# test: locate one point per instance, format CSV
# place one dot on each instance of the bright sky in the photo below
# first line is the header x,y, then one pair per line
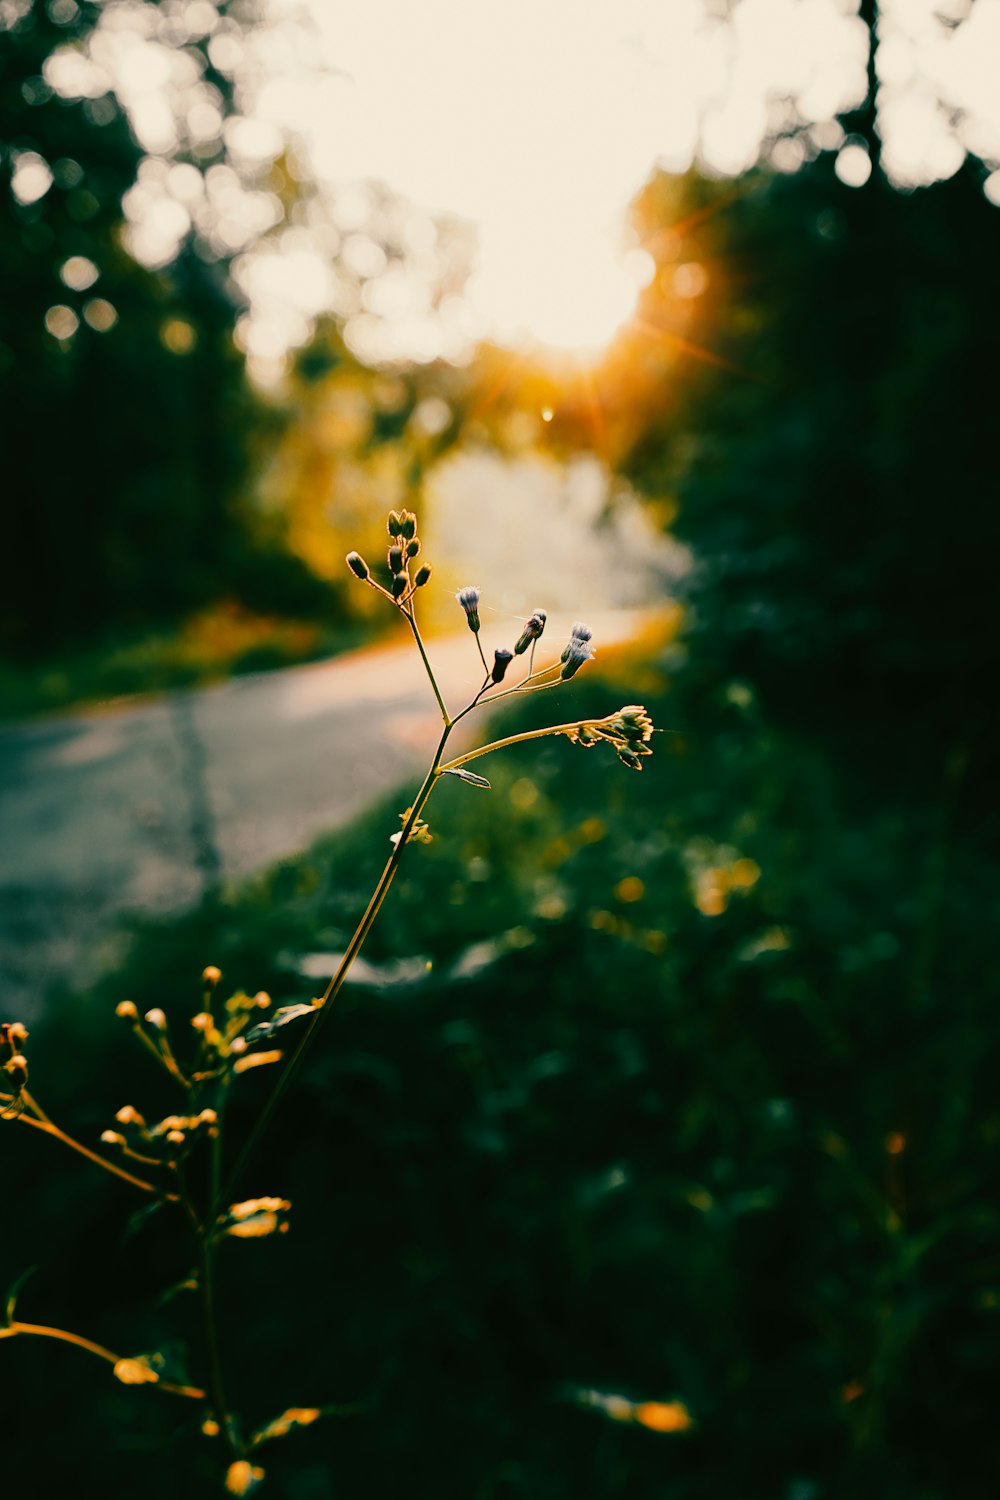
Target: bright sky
x,y
534,121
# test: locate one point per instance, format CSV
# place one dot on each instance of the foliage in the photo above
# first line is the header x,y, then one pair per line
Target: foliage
x,y
130,407
179,1160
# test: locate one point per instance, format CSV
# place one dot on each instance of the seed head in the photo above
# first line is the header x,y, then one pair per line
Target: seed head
x,y
155,1017
407,525
394,523
577,651
413,547
395,560
468,598
399,585
501,661
531,632
211,975
357,565
127,1011
422,576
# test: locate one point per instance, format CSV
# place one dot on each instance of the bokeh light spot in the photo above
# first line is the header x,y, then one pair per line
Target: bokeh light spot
x,y
61,321
78,273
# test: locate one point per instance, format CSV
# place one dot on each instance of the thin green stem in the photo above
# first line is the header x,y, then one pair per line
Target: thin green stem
x,y
39,1330
353,949
517,739
410,616
206,1286
100,1161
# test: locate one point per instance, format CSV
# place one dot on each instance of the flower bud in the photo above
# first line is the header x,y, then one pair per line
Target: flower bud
x,y
422,576
468,598
17,1070
155,1017
112,1138
399,585
129,1115
127,1010
357,565
501,661
531,632
413,547
394,523
407,524
15,1034
211,975
395,559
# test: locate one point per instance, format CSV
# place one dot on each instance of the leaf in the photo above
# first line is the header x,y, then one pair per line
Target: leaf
x,y
280,1018
138,1219
15,1291
470,777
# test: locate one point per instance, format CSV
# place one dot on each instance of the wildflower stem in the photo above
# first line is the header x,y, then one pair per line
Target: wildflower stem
x,y
40,1330
517,739
482,654
35,1107
410,615
353,949
202,1231
100,1161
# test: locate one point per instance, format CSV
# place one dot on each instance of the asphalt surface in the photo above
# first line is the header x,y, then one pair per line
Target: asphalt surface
x,y
141,808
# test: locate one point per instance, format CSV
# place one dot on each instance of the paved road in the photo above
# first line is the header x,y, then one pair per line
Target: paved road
x,y
141,808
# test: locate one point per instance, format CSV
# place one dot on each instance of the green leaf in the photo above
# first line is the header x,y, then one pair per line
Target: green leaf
x,y
10,1302
469,776
280,1018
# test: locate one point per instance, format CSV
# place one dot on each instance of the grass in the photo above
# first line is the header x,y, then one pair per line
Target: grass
x,y
221,641
677,1087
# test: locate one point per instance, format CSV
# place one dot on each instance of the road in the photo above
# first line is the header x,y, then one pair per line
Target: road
x,y
140,808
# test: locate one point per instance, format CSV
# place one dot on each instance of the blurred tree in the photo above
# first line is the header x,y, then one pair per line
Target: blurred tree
x,y
123,393
805,393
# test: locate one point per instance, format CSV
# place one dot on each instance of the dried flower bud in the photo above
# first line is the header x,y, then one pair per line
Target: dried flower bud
x,y
202,1021
176,1137
129,1115
399,585
468,598
578,651
501,661
211,975
422,576
395,560
243,1477
15,1034
407,524
413,547
357,565
531,632
112,1138
127,1011
394,523
155,1017
208,1117
262,1000
17,1070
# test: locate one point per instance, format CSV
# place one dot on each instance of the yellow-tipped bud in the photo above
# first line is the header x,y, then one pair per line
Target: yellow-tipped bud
x,y
176,1137
208,1117
155,1017
210,1427
211,975
243,1477
238,1045
262,999
112,1138
202,1021
129,1115
127,1011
